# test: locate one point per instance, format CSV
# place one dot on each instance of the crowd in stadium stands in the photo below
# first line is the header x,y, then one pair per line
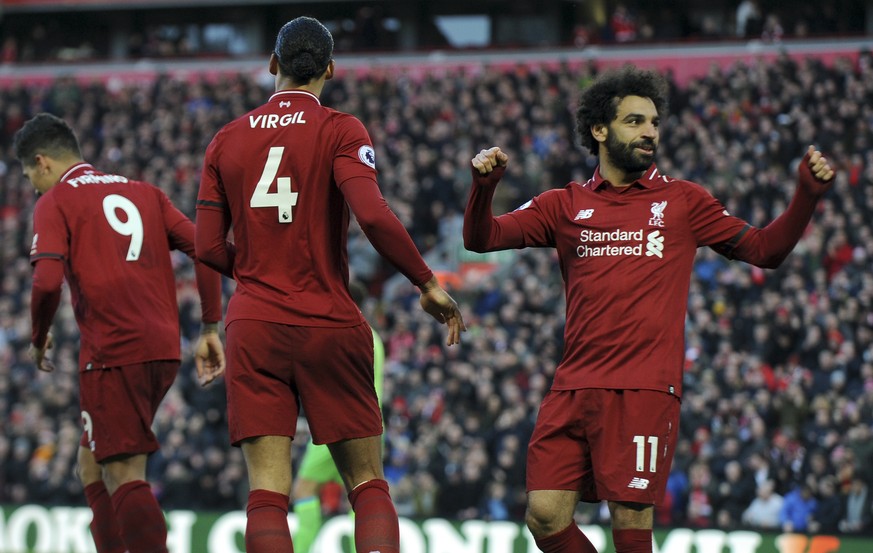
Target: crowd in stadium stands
x,y
776,417
369,28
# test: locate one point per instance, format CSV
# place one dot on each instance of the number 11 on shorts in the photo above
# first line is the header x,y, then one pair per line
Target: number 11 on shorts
x,y
640,441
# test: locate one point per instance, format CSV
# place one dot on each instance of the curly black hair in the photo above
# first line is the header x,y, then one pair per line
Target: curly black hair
x,y
304,47
599,102
45,134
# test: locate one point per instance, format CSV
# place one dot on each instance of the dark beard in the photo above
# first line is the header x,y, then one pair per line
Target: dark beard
x,y
626,158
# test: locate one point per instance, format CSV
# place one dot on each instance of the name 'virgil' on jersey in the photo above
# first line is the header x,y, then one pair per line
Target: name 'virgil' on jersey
x,y
274,120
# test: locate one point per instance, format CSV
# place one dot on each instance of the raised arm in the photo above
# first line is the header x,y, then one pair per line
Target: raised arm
x,y
768,247
482,231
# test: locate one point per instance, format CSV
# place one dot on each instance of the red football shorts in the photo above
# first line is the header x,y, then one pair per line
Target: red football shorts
x,y
615,445
119,405
273,370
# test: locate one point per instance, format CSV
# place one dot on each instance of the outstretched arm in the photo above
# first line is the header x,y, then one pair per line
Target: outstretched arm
x,y
768,247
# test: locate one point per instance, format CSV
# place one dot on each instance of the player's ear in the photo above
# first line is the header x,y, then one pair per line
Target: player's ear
x,y
328,73
274,64
42,163
599,132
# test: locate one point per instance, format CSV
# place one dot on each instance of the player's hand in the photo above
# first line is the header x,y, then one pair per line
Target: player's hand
x,y
38,355
487,160
209,357
437,303
815,173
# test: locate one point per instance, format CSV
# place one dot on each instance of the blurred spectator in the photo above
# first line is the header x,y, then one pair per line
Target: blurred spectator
x,y
773,31
749,21
797,510
9,51
734,492
857,507
763,512
830,508
675,506
623,25
700,508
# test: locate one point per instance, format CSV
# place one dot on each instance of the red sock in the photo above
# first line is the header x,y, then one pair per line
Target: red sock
x,y
569,540
376,526
140,518
104,528
632,540
267,523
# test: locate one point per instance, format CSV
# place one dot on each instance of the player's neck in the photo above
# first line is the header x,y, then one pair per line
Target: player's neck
x,y
617,177
313,87
61,165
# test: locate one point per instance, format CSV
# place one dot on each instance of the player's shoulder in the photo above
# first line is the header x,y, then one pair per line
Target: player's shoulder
x,y
549,198
684,187
655,178
674,187
341,119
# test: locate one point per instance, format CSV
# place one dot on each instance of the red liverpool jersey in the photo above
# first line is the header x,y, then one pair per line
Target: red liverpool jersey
x,y
114,236
626,258
278,172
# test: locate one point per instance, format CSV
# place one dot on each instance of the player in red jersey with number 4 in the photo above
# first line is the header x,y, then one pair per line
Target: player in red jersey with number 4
x,y
285,176
626,241
112,238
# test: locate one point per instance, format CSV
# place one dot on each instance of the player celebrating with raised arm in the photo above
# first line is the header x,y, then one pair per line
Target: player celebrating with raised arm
x,y
112,238
626,241
285,176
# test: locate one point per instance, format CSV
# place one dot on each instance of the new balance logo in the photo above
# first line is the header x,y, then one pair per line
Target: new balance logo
x,y
584,214
638,484
655,244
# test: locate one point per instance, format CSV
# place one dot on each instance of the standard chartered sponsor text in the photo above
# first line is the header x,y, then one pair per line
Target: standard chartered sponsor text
x,y
597,243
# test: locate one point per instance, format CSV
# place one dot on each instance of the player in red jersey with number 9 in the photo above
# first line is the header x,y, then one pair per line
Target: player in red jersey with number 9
x,y
112,238
285,176
626,241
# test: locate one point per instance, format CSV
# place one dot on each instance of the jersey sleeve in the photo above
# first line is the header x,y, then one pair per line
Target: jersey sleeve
x,y
526,226
180,229
45,296
51,239
711,224
384,230
211,194
536,219
51,235
354,171
355,156
768,247
180,234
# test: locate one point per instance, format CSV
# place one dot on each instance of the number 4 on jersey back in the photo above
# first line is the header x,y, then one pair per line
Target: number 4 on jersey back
x,y
282,199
